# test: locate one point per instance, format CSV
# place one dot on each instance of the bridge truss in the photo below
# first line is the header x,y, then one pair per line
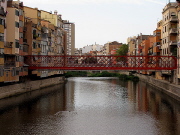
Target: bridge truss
x,y
86,62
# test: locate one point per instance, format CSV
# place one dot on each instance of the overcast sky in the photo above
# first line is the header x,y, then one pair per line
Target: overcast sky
x,y
102,21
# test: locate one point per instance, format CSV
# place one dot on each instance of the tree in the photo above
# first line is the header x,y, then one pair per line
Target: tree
x,y
122,51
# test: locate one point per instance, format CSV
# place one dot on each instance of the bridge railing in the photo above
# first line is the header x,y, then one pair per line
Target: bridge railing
x,y
86,62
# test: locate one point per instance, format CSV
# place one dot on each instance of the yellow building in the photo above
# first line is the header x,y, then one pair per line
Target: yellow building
x,y
169,35
3,8
131,43
11,47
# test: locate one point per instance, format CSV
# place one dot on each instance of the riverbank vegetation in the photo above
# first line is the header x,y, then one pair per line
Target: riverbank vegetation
x,y
76,74
123,77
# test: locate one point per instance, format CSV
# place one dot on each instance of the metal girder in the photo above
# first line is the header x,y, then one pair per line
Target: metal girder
x,y
86,62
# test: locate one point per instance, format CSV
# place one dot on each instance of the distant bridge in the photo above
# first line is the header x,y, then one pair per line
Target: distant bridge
x,y
86,62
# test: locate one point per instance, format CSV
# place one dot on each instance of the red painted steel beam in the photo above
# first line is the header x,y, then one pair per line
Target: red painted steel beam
x,y
84,62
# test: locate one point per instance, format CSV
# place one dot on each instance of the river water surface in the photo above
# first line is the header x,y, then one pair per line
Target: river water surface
x,y
91,106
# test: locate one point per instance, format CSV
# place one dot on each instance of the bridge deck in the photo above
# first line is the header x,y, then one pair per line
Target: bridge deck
x,y
69,62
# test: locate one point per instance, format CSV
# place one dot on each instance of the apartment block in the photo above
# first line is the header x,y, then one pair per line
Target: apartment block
x,y
156,48
138,41
3,12
12,47
169,36
57,21
111,46
169,29
69,27
178,44
131,42
29,31
93,47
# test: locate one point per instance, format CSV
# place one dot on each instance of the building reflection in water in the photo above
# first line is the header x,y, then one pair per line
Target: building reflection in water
x,y
58,106
150,100
30,108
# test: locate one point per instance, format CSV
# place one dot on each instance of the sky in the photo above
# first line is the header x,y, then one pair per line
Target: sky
x,y
102,21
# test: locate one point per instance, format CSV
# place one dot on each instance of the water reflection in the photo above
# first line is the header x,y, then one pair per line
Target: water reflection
x,y
91,106
164,109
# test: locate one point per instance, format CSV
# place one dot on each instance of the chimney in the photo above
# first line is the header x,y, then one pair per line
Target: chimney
x,y
55,12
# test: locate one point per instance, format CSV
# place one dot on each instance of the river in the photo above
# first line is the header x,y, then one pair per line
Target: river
x,y
91,106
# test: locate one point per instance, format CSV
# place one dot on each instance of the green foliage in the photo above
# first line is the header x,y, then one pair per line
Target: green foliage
x,y
75,74
122,51
104,74
128,77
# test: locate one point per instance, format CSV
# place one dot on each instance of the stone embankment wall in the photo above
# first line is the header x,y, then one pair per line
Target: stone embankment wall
x,y
164,86
15,89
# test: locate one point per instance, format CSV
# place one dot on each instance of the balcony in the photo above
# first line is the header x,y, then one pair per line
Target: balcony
x,y
25,29
173,31
34,25
44,30
157,44
173,19
2,13
160,47
8,44
173,43
9,64
25,41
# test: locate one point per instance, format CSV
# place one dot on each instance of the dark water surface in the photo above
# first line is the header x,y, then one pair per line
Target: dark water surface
x,y
91,106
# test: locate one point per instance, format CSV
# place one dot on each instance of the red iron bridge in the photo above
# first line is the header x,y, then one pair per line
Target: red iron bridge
x,y
110,62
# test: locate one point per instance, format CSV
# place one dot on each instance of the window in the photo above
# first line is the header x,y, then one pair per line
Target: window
x,y
17,43
17,24
13,72
20,24
21,47
17,58
1,52
39,35
20,35
1,72
20,12
34,45
39,14
21,58
2,37
2,21
173,14
165,29
16,12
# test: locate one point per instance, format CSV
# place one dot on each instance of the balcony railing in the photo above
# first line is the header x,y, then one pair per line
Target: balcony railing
x,y
2,12
173,31
173,19
157,44
8,44
173,43
34,25
160,47
9,64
